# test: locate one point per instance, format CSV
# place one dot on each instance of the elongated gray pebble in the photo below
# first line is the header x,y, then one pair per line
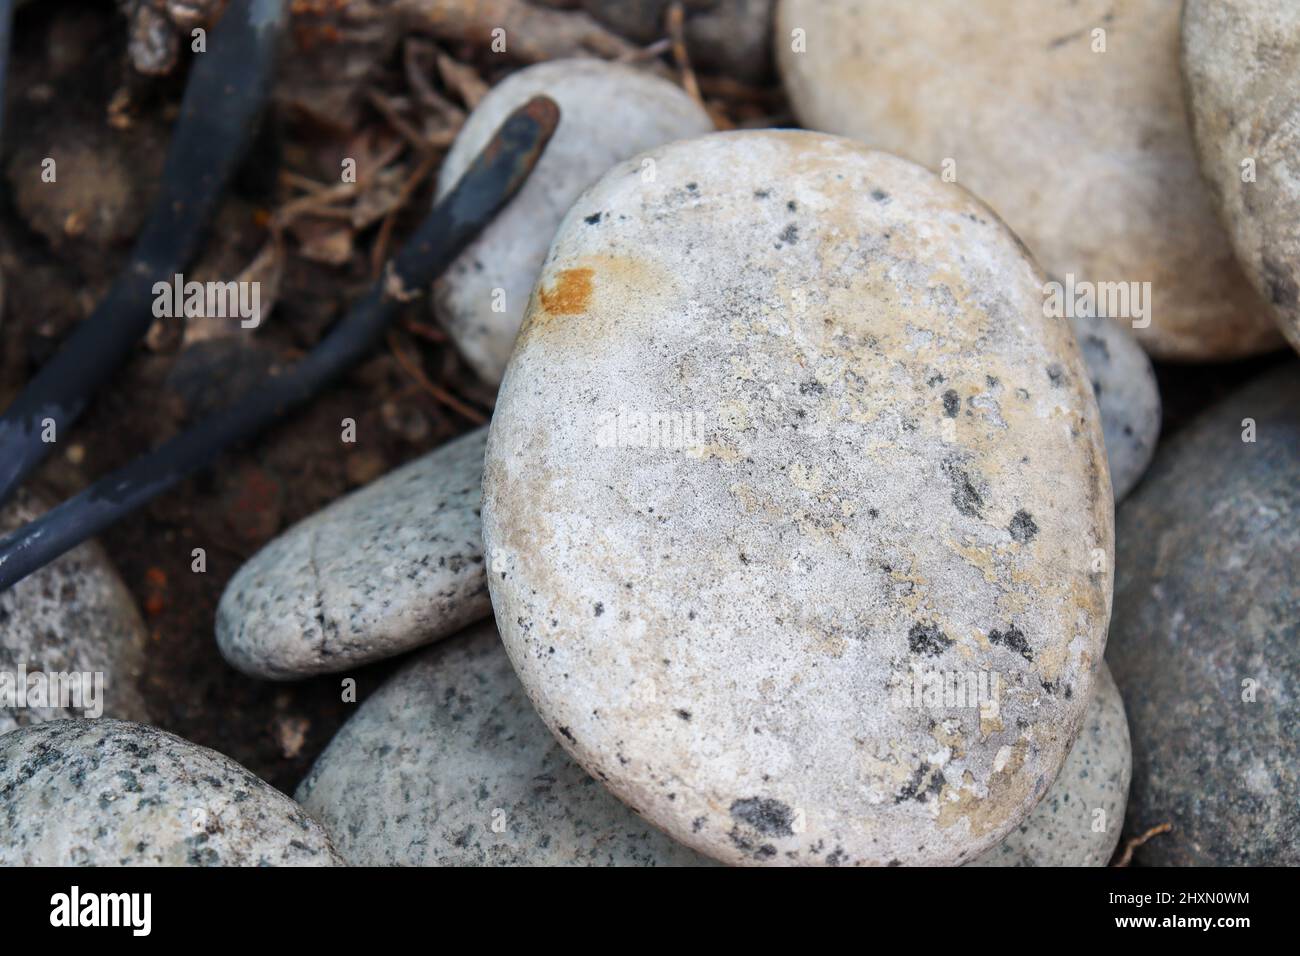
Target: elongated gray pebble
x,y
787,423
460,771
113,793
71,626
392,566
1125,387
608,112
1080,820
1241,59
1205,637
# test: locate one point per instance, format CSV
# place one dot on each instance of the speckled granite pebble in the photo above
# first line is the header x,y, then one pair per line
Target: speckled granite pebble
x,y
113,793
1242,63
392,566
1080,820
851,446
608,112
73,616
1207,616
1087,155
460,771
1125,386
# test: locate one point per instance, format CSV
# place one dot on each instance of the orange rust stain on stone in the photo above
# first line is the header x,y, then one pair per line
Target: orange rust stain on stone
x,y
571,293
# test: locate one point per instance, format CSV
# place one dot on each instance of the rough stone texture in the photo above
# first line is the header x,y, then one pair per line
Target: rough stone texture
x,y
608,113
449,746
113,793
730,36
1207,598
1125,387
895,461
1088,156
390,567
1095,777
1241,59
73,616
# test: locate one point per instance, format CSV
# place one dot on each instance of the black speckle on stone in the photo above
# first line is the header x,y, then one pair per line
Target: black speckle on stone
x,y
593,219
691,187
927,639
1056,375
789,236
1013,638
965,496
927,781
769,817
792,206
600,608
951,403
762,193
568,735
1022,526
879,195
683,713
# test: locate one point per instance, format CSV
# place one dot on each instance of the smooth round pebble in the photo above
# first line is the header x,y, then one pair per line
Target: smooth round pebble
x,y
114,793
73,616
1205,638
1086,154
786,424
1124,384
392,566
608,112
460,771
1080,820
1241,59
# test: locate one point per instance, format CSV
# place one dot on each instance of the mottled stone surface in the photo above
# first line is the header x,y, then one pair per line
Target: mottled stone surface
x,y
1087,155
1242,63
1207,615
113,793
1125,387
871,453
608,113
460,771
392,566
74,616
1080,820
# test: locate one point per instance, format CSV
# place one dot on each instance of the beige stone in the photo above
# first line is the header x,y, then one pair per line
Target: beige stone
x,y
1242,63
1087,155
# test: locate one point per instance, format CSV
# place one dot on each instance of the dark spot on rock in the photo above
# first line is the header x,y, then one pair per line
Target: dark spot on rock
x,y
879,195
1056,374
951,403
926,781
1022,526
927,639
1282,288
762,193
789,235
792,206
600,608
965,496
1013,638
593,219
684,714
769,817
568,735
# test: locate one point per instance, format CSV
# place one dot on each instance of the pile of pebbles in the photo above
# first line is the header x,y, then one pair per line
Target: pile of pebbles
x,y
793,539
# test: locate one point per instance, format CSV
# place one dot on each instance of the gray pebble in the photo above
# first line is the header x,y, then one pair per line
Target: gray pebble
x,y
1080,820
392,566
74,616
1241,59
1125,386
1205,636
608,112
460,771
784,427
112,793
